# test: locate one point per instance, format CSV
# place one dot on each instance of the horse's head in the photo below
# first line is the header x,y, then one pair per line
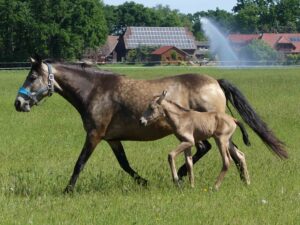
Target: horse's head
x,y
154,111
38,84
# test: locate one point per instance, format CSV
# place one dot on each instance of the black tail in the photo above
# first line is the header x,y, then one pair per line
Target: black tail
x,y
238,100
244,133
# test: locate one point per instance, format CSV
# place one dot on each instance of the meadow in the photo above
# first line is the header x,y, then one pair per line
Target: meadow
x,y
38,151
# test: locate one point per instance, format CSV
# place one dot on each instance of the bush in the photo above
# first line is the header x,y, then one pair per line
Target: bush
x,y
258,52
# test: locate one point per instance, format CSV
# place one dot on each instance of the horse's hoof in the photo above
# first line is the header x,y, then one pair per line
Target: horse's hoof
x,y
141,181
69,189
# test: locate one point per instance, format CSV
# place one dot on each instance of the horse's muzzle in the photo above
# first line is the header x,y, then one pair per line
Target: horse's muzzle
x,y
143,121
22,105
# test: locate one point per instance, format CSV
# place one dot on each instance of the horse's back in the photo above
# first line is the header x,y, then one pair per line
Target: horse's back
x,y
197,92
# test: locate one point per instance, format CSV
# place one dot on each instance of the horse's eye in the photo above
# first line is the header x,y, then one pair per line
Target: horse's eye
x,y
33,77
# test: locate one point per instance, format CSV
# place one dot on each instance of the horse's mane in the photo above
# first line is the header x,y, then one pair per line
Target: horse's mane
x,y
80,67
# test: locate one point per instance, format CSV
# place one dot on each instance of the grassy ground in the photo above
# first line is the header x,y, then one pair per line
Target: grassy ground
x,y
38,151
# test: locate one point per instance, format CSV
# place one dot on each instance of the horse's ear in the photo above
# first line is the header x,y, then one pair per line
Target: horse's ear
x,y
36,59
162,96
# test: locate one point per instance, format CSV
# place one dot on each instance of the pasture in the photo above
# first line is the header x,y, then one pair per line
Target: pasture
x,y
38,151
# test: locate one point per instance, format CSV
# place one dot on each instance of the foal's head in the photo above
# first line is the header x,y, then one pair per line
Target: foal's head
x,y
38,84
154,111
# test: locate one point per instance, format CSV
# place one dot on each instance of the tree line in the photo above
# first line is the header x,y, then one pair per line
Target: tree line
x,y
65,28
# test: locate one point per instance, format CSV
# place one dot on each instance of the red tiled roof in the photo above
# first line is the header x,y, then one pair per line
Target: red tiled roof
x,y
242,37
162,50
271,39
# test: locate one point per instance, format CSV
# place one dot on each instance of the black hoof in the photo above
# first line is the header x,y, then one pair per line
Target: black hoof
x,y
182,172
69,189
141,181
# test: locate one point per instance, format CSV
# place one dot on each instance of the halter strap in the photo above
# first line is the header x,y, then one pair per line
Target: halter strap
x,y
50,79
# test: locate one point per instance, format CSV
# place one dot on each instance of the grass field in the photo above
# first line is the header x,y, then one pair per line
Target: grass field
x,y
38,151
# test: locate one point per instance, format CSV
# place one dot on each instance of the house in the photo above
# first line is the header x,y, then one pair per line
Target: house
x,y
287,43
202,50
106,53
134,37
169,54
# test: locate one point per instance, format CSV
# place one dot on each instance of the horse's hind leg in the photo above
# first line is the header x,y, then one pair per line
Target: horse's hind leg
x,y
119,152
202,148
92,139
189,165
240,162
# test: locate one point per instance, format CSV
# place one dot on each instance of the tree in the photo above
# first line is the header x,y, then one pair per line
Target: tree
x,y
221,17
267,16
133,14
53,28
15,29
258,52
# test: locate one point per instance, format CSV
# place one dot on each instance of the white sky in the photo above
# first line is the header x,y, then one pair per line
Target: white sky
x,y
184,6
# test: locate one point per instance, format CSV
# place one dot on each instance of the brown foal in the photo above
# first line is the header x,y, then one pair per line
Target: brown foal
x,y
189,127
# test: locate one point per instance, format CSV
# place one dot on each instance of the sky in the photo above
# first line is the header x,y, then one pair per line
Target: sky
x,y
188,6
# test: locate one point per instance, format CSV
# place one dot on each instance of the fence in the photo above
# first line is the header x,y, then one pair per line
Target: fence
x,y
230,64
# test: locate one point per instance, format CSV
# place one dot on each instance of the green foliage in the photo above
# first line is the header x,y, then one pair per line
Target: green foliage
x,y
134,14
267,16
173,55
259,51
140,54
293,59
53,28
221,17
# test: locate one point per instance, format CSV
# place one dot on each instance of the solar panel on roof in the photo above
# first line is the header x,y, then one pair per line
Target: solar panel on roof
x,y
175,36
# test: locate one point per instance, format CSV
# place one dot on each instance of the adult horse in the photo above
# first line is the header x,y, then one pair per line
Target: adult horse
x,y
110,106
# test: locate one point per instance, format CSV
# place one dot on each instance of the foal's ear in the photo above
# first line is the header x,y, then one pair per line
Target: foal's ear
x,y
164,93
162,96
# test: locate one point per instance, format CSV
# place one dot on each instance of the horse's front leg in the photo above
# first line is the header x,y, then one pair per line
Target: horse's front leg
x,y
119,152
172,156
202,148
92,139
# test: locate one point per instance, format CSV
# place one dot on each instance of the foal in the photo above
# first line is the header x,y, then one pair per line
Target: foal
x,y
190,127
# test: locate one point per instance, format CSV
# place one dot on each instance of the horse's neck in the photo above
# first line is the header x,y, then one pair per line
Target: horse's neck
x,y
172,112
73,86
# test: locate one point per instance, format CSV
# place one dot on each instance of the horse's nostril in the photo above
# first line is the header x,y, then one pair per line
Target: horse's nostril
x,y
18,104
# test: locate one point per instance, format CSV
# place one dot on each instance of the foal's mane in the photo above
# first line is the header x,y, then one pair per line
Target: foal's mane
x,y
178,106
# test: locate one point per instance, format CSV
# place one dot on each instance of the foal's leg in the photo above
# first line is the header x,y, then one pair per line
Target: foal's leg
x,y
119,152
92,139
240,161
189,165
172,156
202,148
223,145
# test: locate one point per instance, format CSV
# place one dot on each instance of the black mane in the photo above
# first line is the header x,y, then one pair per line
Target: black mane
x,y
80,67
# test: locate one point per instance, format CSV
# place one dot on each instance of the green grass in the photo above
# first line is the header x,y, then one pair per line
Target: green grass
x,y
39,149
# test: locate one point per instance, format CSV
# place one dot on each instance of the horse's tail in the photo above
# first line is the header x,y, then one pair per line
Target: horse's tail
x,y
240,103
244,133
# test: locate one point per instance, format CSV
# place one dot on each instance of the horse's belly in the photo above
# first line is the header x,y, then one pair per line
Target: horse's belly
x,y
136,132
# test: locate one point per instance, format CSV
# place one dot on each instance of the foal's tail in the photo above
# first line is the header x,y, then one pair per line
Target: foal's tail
x,y
240,103
244,133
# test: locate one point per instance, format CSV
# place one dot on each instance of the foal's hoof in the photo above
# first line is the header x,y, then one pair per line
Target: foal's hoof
x,y
141,181
69,189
